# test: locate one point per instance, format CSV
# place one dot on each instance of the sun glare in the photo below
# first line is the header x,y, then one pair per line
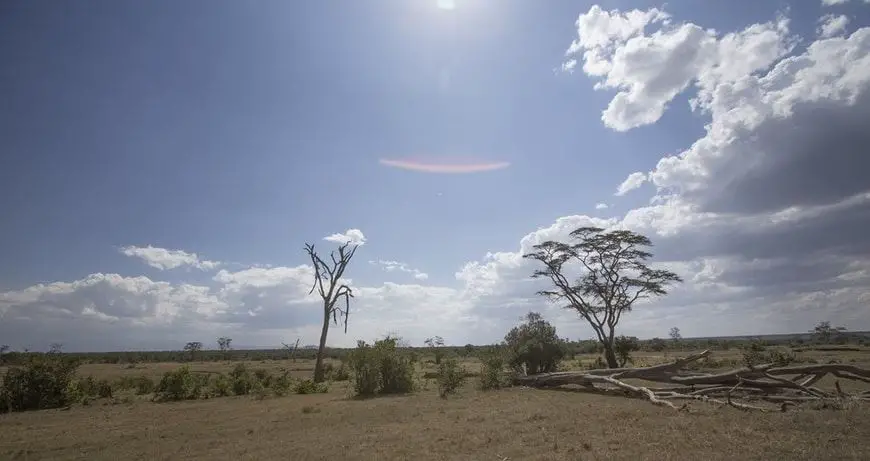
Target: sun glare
x,y
446,4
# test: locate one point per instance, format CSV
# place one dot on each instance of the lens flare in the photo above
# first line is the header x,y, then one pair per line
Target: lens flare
x,y
443,168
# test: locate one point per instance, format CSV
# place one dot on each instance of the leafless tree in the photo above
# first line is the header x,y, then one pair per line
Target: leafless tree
x,y
614,275
291,349
327,282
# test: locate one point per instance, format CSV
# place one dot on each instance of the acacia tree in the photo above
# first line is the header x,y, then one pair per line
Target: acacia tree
x,y
434,343
193,349
614,275
225,344
327,281
824,331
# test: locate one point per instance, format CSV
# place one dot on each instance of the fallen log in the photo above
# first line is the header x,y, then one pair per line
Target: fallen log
x,y
788,385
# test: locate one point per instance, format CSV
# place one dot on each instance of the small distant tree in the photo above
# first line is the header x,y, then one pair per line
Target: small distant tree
x,y
291,349
624,346
225,345
614,275
534,345
675,334
327,281
657,344
434,343
824,332
55,348
193,348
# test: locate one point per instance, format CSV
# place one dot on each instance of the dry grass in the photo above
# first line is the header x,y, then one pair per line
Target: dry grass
x,y
517,424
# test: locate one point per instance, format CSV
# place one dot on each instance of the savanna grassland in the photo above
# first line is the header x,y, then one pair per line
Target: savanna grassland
x,y
513,423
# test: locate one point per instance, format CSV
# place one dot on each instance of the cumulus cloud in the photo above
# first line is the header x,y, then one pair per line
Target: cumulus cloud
x,y
601,206
352,236
164,259
396,266
632,182
839,2
831,25
649,69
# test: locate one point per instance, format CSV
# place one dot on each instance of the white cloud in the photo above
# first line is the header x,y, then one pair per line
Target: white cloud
x,y
164,259
831,25
396,266
600,206
352,236
839,2
649,70
632,182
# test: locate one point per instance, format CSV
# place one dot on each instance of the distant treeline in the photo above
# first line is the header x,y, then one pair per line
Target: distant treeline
x,y
469,350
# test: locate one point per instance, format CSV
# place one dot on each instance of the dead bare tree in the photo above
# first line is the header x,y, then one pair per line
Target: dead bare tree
x,y
291,350
614,275
784,386
327,281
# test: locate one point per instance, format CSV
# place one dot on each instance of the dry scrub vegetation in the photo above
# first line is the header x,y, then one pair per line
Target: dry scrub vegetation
x,y
514,423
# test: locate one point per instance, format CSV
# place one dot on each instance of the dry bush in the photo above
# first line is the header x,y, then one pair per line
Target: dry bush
x,y
181,384
308,386
41,383
492,374
381,369
451,376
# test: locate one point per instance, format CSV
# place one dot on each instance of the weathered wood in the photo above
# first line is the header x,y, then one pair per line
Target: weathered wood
x,y
789,385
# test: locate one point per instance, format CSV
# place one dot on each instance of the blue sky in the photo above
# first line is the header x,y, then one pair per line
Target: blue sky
x,y
239,130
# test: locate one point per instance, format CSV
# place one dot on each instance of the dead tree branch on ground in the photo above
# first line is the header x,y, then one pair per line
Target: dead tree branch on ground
x,y
786,385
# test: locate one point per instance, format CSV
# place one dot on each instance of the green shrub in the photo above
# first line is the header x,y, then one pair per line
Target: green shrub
x,y
339,373
307,386
259,391
124,383
221,386
381,369
366,373
451,376
534,347
599,363
624,346
755,353
492,370
657,344
181,384
104,389
143,385
281,384
263,376
43,382
242,379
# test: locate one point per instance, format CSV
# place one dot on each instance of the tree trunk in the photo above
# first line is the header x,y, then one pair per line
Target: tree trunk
x,y
318,365
610,356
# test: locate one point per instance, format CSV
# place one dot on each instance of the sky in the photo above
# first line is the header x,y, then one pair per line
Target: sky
x,y
163,163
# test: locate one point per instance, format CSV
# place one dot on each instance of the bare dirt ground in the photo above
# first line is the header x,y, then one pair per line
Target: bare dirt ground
x,y
513,424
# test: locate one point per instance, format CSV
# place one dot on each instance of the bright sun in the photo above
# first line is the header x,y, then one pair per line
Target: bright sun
x,y
446,4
